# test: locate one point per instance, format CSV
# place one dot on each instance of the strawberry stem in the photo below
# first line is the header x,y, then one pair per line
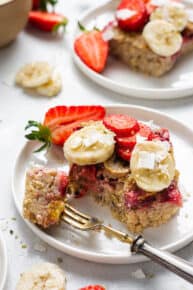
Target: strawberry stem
x,y
43,4
63,24
81,27
42,134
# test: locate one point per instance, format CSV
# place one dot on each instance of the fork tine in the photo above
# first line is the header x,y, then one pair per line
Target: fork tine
x,y
74,216
72,222
75,211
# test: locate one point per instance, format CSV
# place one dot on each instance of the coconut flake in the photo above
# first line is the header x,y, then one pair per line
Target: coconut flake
x,y
190,14
76,142
124,14
39,247
108,34
146,160
140,139
138,274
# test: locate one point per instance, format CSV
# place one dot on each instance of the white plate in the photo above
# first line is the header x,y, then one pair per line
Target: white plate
x,y
3,262
121,79
96,246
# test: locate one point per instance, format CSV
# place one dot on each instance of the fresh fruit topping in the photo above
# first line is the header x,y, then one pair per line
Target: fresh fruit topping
x,y
162,38
161,134
171,194
122,125
92,49
144,131
116,167
152,165
93,287
34,74
92,144
174,14
63,115
127,142
124,153
42,4
41,276
47,21
52,87
131,14
60,122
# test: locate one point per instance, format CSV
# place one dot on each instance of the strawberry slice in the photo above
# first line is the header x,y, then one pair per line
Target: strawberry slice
x,y
92,49
132,15
47,21
122,125
93,287
144,131
124,153
60,122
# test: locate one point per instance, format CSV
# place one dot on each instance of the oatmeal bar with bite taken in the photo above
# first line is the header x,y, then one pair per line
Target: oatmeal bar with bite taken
x,y
45,191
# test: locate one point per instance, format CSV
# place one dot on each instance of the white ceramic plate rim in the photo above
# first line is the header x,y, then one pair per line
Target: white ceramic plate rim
x,y
4,262
87,255
120,88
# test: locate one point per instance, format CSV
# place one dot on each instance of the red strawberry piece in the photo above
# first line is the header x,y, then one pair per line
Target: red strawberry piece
x,y
63,182
93,287
130,142
124,153
60,122
92,49
47,21
161,134
136,21
122,125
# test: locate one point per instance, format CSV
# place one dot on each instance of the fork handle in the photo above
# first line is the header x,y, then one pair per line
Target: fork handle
x,y
173,263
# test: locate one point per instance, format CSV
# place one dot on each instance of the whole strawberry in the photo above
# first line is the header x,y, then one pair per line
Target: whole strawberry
x,y
92,49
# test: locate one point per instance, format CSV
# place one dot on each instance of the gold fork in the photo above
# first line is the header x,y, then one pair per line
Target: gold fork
x,y
84,222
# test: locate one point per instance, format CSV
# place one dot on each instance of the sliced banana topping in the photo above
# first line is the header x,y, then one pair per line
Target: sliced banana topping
x,y
174,14
52,87
43,276
116,167
34,74
90,145
152,165
162,37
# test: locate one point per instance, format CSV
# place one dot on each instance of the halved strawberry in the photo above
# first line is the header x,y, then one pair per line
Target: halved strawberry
x,y
144,131
137,14
47,21
122,125
92,49
93,287
60,122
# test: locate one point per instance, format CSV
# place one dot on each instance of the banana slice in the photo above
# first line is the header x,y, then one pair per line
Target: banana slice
x,y
43,276
90,145
162,37
34,75
116,167
152,165
174,14
52,88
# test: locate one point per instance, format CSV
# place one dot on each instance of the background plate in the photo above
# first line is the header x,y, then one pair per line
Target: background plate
x,y
3,262
121,79
96,246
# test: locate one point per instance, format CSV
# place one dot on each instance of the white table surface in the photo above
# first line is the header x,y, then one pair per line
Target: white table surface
x,y
16,108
